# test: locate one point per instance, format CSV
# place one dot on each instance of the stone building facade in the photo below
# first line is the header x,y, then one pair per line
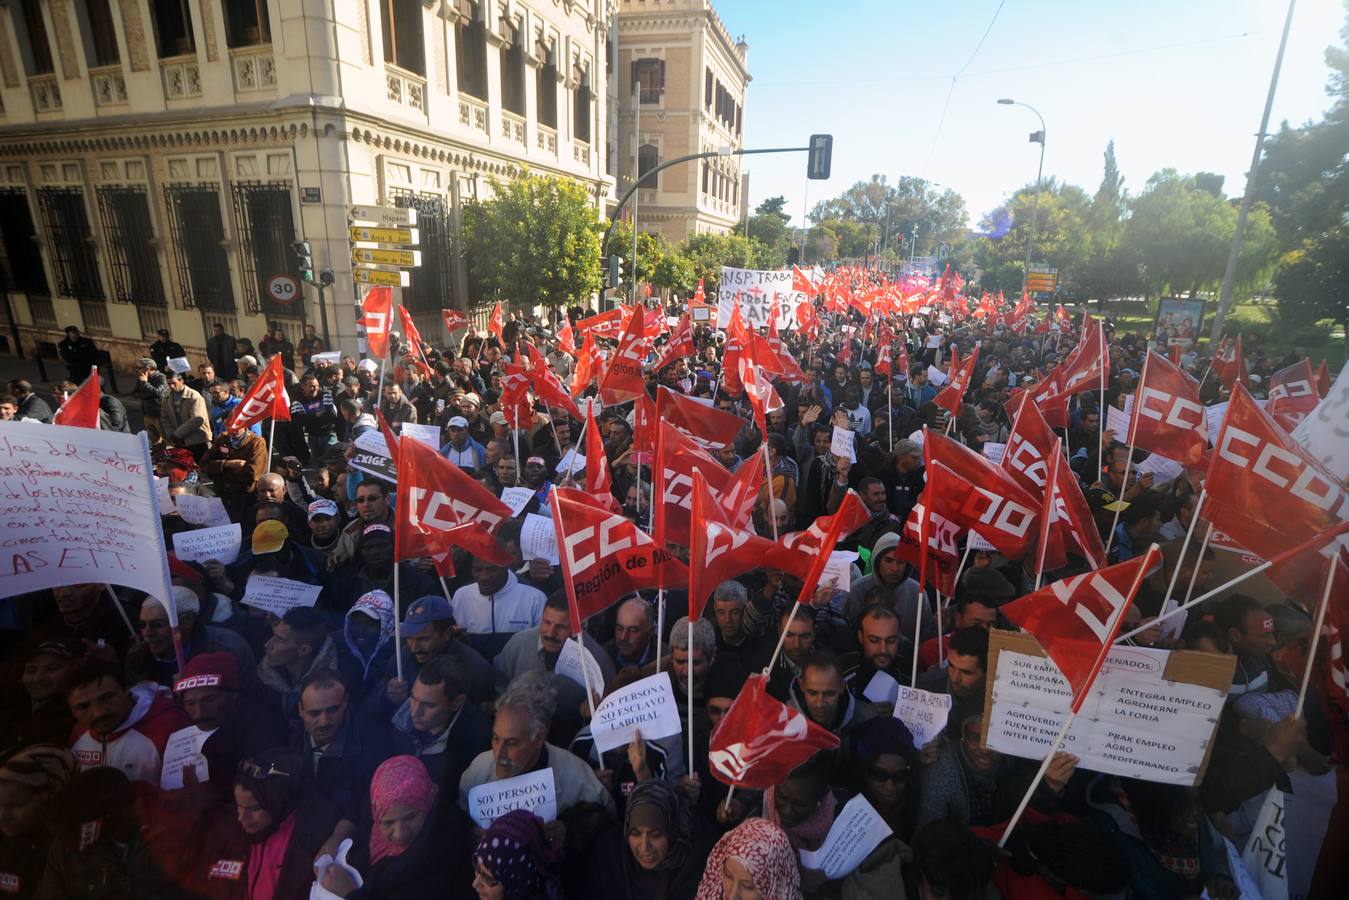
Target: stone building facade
x,y
679,89
159,157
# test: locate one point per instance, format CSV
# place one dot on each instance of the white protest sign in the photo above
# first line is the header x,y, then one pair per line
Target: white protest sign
x,y
882,688
978,543
516,498
756,290
933,341
589,403
1163,470
571,461
220,544
208,511
1265,855
372,456
278,595
534,791
1118,422
183,750
842,444
423,434
857,831
923,713
538,539
1247,889
1325,432
165,499
569,665
1213,418
647,706
78,506
331,358
994,452
837,575
936,376
179,364
1134,722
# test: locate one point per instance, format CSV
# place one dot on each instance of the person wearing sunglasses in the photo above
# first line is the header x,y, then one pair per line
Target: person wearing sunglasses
x,y
885,767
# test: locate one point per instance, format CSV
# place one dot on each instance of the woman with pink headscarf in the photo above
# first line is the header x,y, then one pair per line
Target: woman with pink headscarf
x,y
753,860
412,845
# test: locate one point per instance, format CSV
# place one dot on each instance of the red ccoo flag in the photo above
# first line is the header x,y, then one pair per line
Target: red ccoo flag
x,y
962,374
1087,368
599,484
623,380
604,556
677,459
266,399
1292,394
1322,380
497,323
440,506
81,407
974,493
759,740
1168,418
1076,620
454,319
376,312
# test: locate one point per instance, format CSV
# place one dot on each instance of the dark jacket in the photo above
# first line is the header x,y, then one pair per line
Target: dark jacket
x,y
220,351
228,844
163,351
470,734
343,773
79,356
435,865
615,875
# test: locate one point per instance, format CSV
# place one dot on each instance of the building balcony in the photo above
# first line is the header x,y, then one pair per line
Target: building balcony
x,y
46,93
405,89
254,69
580,151
513,127
472,113
109,86
547,139
182,78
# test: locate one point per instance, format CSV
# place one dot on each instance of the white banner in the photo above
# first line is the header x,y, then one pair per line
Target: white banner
x,y
857,831
220,544
1325,433
425,434
756,290
183,751
923,713
79,505
569,662
516,498
279,595
538,539
534,791
647,706
207,511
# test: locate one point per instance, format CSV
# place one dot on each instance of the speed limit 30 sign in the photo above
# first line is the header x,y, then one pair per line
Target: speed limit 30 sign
x,y
283,288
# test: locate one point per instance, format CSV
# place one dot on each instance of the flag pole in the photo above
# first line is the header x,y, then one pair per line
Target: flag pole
x,y
1051,487
1249,573
660,623
135,635
1316,637
1184,548
890,405
768,481
1129,458
1194,576
689,662
397,627
772,660
1100,426
271,443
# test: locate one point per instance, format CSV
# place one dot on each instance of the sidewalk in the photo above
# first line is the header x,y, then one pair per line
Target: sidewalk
x,y
12,368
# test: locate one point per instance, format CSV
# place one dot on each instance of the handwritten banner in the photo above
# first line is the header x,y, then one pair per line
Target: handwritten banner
x,y
183,751
569,663
538,539
647,706
534,791
757,290
78,505
220,544
279,595
208,511
923,713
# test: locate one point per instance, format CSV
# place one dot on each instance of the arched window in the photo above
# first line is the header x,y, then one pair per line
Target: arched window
x,y
648,157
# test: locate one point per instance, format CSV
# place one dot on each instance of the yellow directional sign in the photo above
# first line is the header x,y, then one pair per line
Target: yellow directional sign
x,y
386,257
376,276
385,235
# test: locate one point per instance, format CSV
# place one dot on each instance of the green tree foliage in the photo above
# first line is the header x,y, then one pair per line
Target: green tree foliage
x,y
895,211
707,253
1110,269
1061,239
1312,282
537,241
768,226
653,252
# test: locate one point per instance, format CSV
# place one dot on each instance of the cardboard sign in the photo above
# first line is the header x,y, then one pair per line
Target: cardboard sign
x,y
182,751
78,506
179,364
220,544
516,498
207,511
425,434
277,595
569,665
538,539
757,290
647,706
534,791
857,831
924,713
842,445
882,688
837,575
1151,714
372,456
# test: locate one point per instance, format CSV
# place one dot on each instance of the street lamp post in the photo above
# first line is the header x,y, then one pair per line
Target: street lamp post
x,y
1037,137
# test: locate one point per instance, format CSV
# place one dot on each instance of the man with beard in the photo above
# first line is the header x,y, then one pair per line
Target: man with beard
x,y
962,677
119,728
429,631
820,693
530,651
883,650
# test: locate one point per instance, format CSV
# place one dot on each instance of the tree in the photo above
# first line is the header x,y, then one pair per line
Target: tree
x,y
1312,282
1110,269
707,253
768,226
897,211
537,241
1061,240
652,251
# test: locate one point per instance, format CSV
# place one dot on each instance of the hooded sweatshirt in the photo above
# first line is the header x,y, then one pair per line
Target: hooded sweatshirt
x,y
378,606
136,746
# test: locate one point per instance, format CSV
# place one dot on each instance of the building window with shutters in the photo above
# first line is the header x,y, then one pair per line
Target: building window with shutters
x,y
198,233
401,21
100,38
546,90
470,51
581,103
247,23
648,157
431,285
38,58
512,69
72,245
173,28
20,263
649,76
707,89
134,263
707,175
266,227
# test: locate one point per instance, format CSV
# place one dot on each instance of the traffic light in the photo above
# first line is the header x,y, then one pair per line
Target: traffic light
x,y
821,150
615,271
304,260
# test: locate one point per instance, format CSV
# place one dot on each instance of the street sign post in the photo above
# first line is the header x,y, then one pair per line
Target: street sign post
x,y
385,216
283,288
385,235
1042,280
369,256
381,277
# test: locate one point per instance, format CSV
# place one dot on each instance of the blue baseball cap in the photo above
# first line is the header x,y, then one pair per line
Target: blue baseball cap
x,y
428,609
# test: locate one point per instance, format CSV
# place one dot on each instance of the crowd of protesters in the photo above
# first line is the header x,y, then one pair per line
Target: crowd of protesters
x,y
326,773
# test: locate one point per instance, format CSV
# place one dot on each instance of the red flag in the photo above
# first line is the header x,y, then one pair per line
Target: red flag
x,y
677,459
1066,520
708,427
961,375
720,550
440,506
852,514
883,366
760,740
566,340
1076,620
699,298
943,553
598,481
1229,364
81,408
1292,394
1173,353
454,320
808,320
1322,379
1269,495
588,363
376,310
546,385
496,324
974,493
1167,416
515,402
904,360
604,556
1029,445
266,399
410,329
608,324
755,361
623,379
1087,368
730,357
801,282
680,345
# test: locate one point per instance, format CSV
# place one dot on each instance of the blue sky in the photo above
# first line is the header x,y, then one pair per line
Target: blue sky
x,y
1175,83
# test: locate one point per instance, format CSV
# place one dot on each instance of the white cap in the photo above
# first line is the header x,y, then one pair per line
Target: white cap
x,y
457,422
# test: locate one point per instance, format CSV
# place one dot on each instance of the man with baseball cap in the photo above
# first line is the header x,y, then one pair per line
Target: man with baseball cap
x,y
40,714
461,449
325,526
